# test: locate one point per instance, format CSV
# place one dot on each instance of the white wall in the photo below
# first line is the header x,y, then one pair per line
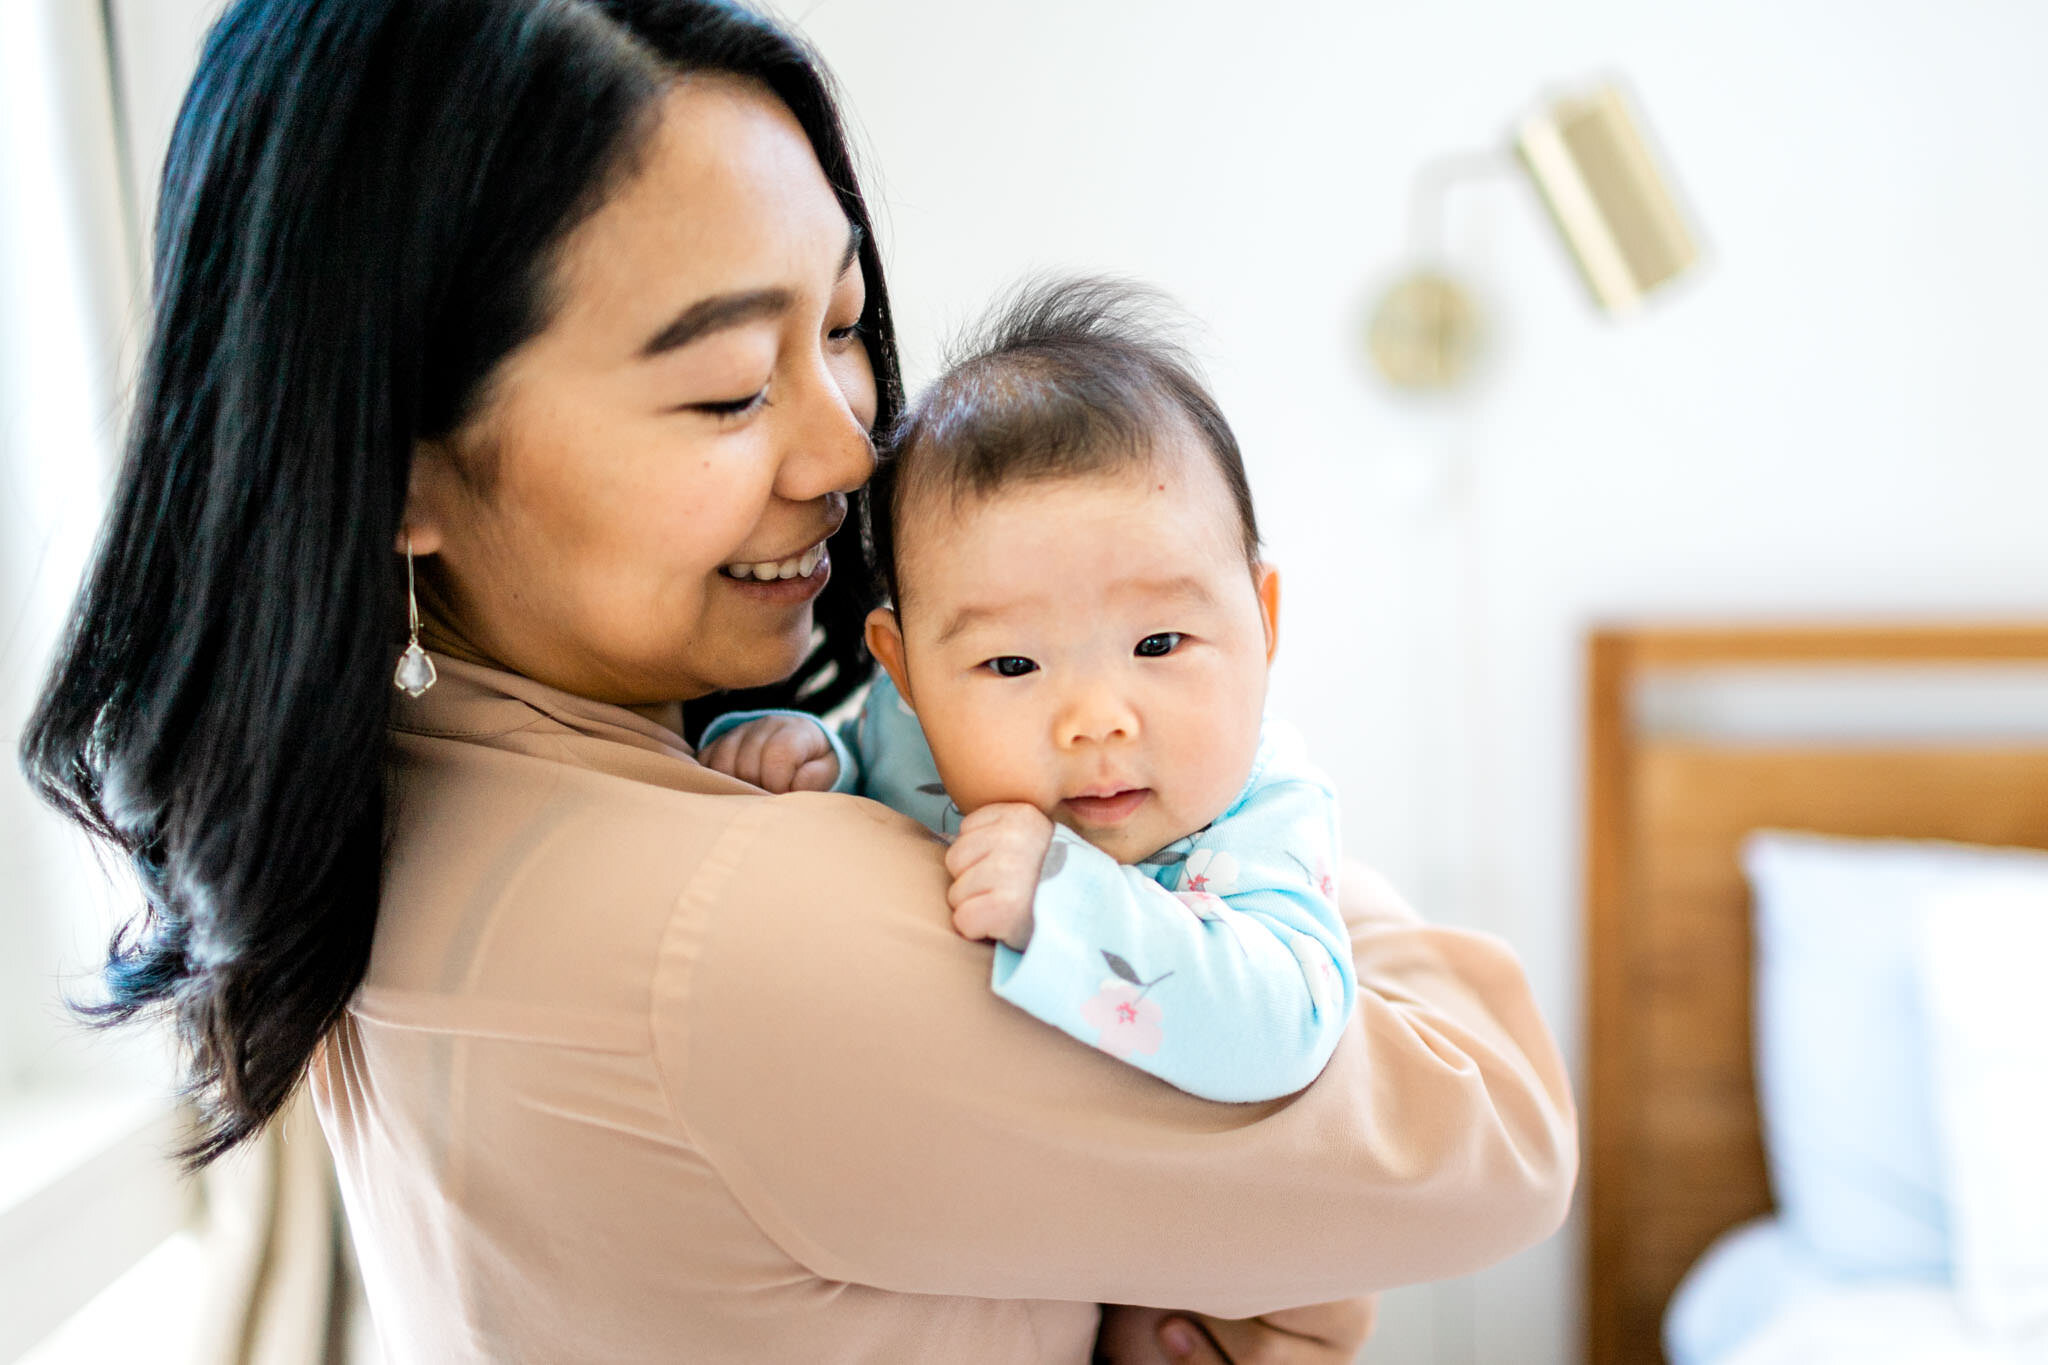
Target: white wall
x,y
1838,416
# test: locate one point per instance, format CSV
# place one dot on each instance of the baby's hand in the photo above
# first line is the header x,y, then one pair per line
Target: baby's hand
x,y
995,862
776,753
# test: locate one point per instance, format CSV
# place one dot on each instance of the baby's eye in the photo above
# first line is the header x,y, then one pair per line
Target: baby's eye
x,y
1153,646
1009,666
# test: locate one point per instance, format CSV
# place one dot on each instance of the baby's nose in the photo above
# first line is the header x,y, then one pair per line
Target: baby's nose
x,y
1096,716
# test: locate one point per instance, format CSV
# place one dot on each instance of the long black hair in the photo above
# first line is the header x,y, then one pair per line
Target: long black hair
x,y
361,210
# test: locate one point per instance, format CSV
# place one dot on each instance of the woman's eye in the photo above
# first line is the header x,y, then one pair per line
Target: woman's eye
x,y
733,407
850,332
1153,646
1010,666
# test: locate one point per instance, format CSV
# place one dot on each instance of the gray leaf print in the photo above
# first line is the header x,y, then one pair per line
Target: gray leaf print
x,y
1121,967
933,789
1055,859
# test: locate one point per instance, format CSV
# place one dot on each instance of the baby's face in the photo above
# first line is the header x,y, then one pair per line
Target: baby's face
x,y
1096,647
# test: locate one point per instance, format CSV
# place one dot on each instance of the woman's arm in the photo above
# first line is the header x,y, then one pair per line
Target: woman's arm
x,y
833,1050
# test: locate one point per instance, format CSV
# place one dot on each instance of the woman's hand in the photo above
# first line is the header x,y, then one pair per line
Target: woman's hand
x,y
1320,1334
775,753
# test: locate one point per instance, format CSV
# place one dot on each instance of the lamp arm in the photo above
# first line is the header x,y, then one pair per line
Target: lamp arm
x,y
1431,186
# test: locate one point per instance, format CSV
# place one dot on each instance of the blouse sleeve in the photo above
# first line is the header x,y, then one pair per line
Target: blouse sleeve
x,y
830,1046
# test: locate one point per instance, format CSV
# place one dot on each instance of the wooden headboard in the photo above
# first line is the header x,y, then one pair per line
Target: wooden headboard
x,y
1673,1150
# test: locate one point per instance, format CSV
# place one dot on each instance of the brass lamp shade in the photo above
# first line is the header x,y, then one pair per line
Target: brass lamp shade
x,y
1607,195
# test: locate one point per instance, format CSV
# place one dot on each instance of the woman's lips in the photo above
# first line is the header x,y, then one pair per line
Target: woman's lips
x,y
781,591
1098,812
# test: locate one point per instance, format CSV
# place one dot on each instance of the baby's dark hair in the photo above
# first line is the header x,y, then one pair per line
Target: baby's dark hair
x,y
1063,378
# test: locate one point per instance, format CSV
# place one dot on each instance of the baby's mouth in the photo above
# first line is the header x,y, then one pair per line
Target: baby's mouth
x,y
1101,812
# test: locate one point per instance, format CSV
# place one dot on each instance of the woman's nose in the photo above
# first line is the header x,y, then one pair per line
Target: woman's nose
x,y
830,453
1095,715
828,449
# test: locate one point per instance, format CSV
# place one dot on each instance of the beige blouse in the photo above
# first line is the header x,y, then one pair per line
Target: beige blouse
x,y
651,1066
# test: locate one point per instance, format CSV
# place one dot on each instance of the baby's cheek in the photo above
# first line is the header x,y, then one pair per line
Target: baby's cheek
x,y
1213,778
983,773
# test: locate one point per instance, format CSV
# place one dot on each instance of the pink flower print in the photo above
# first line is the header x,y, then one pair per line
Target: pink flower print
x,y
1316,970
1127,1021
1201,904
1319,876
1211,870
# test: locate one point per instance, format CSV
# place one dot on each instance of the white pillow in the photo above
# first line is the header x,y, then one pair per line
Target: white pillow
x,y
1882,1322
1843,1072
1984,974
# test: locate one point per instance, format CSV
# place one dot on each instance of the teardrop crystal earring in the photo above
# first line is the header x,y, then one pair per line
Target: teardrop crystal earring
x,y
415,670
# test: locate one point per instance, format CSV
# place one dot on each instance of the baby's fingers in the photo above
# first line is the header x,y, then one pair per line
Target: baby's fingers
x,y
786,748
996,815
984,913
968,848
718,754
817,774
975,879
980,818
753,740
736,753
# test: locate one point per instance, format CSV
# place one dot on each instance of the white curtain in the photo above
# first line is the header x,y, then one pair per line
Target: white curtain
x,y
81,137
283,1285
67,289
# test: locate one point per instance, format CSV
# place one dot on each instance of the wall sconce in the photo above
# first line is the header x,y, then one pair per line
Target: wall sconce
x,y
1606,196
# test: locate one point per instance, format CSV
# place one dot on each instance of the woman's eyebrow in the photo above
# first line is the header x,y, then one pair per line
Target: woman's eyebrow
x,y
716,314
721,311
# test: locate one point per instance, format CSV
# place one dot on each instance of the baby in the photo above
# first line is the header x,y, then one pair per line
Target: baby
x,y
1075,688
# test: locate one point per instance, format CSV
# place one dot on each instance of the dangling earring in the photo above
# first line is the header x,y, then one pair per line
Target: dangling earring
x,y
415,670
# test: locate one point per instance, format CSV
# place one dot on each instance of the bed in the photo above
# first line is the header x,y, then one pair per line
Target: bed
x,y
1675,1149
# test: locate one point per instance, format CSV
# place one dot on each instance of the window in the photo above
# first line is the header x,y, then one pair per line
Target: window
x,y
87,1198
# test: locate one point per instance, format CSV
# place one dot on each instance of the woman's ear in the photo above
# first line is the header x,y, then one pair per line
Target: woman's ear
x,y
885,642
1267,579
427,491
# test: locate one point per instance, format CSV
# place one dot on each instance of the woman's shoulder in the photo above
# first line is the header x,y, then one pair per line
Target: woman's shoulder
x,y
813,910
854,831
548,864
817,867
556,793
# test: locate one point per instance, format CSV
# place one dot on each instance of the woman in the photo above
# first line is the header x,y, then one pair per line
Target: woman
x,y
576,305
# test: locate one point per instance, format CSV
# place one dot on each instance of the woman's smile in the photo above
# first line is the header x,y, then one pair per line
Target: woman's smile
x,y
798,565
787,582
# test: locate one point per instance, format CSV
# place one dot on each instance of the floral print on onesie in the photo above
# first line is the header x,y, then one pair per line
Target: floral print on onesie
x,y
1219,964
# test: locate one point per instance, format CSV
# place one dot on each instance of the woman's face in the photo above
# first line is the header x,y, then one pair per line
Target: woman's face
x,y
637,512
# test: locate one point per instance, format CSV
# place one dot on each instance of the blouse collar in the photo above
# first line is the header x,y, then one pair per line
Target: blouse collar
x,y
472,701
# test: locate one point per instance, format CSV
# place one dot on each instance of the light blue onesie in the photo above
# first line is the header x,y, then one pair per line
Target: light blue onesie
x,y
1219,964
